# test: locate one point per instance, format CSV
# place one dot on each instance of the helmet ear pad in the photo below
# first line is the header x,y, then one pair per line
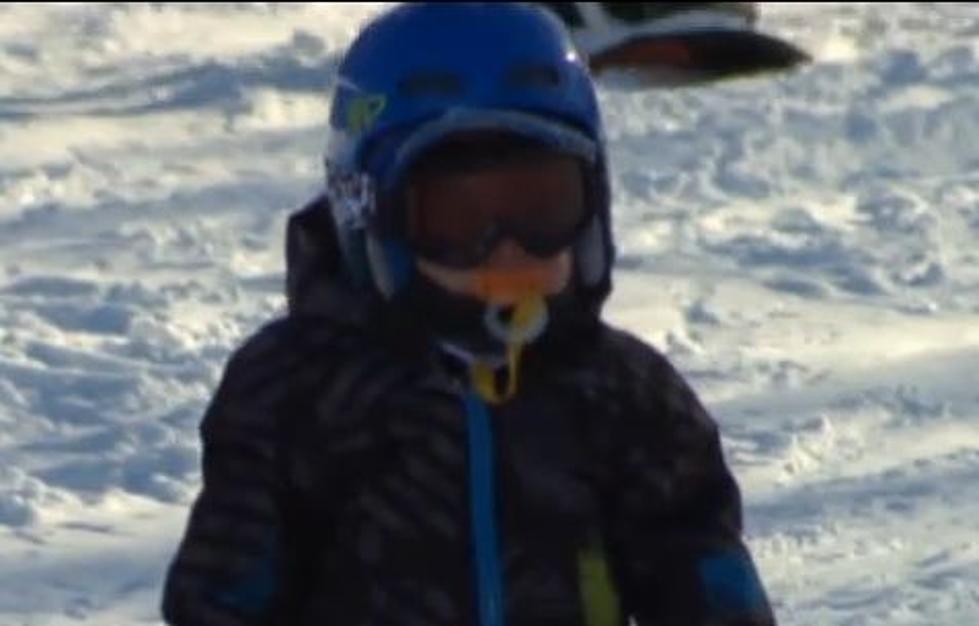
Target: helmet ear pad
x,y
594,250
589,254
391,263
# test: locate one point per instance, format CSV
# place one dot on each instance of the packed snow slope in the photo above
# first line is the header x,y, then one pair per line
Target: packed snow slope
x,y
802,246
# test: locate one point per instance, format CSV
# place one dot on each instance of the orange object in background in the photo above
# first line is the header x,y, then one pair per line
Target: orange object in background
x,y
699,57
672,43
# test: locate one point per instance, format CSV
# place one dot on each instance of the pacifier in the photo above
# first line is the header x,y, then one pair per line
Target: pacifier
x,y
515,325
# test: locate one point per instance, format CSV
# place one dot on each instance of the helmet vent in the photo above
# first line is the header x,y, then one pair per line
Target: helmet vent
x,y
431,84
534,77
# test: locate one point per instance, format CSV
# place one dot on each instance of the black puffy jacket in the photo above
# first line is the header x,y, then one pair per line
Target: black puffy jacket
x,y
338,481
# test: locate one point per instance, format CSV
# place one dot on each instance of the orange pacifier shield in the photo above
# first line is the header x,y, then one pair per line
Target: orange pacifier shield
x,y
503,287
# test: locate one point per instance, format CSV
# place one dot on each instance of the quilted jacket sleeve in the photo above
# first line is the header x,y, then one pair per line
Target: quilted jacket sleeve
x,y
676,525
238,563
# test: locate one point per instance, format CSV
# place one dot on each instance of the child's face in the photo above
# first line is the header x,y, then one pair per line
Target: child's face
x,y
507,277
500,233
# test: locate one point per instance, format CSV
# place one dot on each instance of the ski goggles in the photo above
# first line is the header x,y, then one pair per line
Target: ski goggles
x,y
458,218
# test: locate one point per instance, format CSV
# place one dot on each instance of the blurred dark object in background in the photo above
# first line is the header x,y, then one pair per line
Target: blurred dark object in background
x,y
676,43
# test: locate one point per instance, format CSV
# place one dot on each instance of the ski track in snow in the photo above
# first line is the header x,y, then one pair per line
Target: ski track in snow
x,y
800,245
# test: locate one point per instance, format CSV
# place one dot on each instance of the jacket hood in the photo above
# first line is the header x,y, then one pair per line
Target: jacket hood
x,y
316,282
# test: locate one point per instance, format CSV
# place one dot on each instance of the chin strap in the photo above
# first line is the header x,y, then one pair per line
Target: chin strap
x,y
527,321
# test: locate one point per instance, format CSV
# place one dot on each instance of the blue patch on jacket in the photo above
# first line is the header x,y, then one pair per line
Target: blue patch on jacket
x,y
732,585
252,595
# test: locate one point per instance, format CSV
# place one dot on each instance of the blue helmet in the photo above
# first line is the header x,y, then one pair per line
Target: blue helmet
x,y
421,72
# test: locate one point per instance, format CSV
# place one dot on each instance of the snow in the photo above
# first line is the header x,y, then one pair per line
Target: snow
x,y
801,245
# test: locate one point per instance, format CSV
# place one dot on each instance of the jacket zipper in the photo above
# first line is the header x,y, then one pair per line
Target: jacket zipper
x,y
482,505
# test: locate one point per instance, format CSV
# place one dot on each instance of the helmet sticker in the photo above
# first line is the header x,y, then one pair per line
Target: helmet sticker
x,y
363,111
351,195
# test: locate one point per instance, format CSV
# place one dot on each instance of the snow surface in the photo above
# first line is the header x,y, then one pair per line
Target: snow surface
x,y
802,246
